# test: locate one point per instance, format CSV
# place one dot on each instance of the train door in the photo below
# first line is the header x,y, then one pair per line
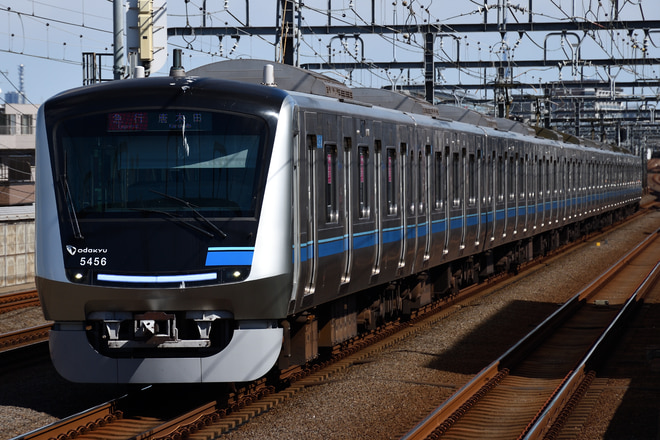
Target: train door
x,y
469,180
455,197
378,199
365,236
569,188
479,189
524,165
437,188
448,198
390,210
418,249
309,221
462,180
499,222
579,175
329,192
550,178
419,211
471,208
491,212
543,188
407,168
425,200
536,199
520,190
348,193
511,201
563,190
589,186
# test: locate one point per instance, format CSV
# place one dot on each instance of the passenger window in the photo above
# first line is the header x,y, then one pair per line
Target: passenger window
x,y
500,178
456,180
363,182
521,178
392,189
472,180
438,186
511,188
331,212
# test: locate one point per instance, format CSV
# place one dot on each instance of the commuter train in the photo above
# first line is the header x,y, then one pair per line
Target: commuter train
x,y
209,226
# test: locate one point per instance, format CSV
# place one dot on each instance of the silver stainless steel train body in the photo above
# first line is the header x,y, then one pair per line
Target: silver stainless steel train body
x,y
186,227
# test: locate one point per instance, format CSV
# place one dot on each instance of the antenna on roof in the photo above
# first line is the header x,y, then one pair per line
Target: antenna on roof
x,y
177,68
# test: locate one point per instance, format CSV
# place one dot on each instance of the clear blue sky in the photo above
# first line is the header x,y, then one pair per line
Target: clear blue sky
x,y
49,36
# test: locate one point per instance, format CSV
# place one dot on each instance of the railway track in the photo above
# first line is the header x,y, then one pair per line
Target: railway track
x,y
224,413
24,337
18,300
529,392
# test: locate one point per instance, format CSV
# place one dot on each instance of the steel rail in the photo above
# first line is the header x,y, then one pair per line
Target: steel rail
x,y
451,411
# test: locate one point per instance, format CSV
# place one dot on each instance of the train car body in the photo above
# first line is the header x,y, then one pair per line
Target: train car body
x,y
199,229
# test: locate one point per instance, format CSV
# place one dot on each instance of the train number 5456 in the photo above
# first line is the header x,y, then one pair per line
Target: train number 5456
x,y
95,261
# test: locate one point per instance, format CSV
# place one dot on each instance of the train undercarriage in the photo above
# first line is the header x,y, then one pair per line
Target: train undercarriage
x,y
324,329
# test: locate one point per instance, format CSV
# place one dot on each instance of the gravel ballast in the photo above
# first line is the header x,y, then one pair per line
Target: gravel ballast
x,y
383,397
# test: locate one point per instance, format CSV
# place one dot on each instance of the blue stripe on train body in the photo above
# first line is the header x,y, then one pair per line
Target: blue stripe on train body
x,y
338,244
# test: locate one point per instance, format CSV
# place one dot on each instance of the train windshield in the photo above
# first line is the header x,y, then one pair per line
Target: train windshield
x,y
123,163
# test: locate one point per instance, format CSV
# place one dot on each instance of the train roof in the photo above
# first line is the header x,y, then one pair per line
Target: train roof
x,y
287,77
295,79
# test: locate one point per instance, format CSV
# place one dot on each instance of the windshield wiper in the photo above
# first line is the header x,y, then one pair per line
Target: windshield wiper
x,y
192,207
73,218
169,214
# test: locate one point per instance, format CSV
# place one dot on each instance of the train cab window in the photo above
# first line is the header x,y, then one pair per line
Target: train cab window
x,y
438,182
149,161
392,189
331,187
363,182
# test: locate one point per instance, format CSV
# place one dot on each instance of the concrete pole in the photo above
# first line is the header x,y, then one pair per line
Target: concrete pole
x,y
118,30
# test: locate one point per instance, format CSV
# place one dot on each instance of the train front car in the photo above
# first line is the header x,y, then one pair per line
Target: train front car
x,y
163,229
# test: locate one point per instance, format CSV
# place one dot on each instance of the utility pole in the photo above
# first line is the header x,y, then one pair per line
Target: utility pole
x,y
118,31
287,32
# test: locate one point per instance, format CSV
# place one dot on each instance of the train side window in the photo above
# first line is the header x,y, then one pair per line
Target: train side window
x,y
456,180
529,175
472,180
363,182
407,167
438,180
539,178
488,179
546,171
392,189
580,176
331,187
500,178
512,177
422,162
520,172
